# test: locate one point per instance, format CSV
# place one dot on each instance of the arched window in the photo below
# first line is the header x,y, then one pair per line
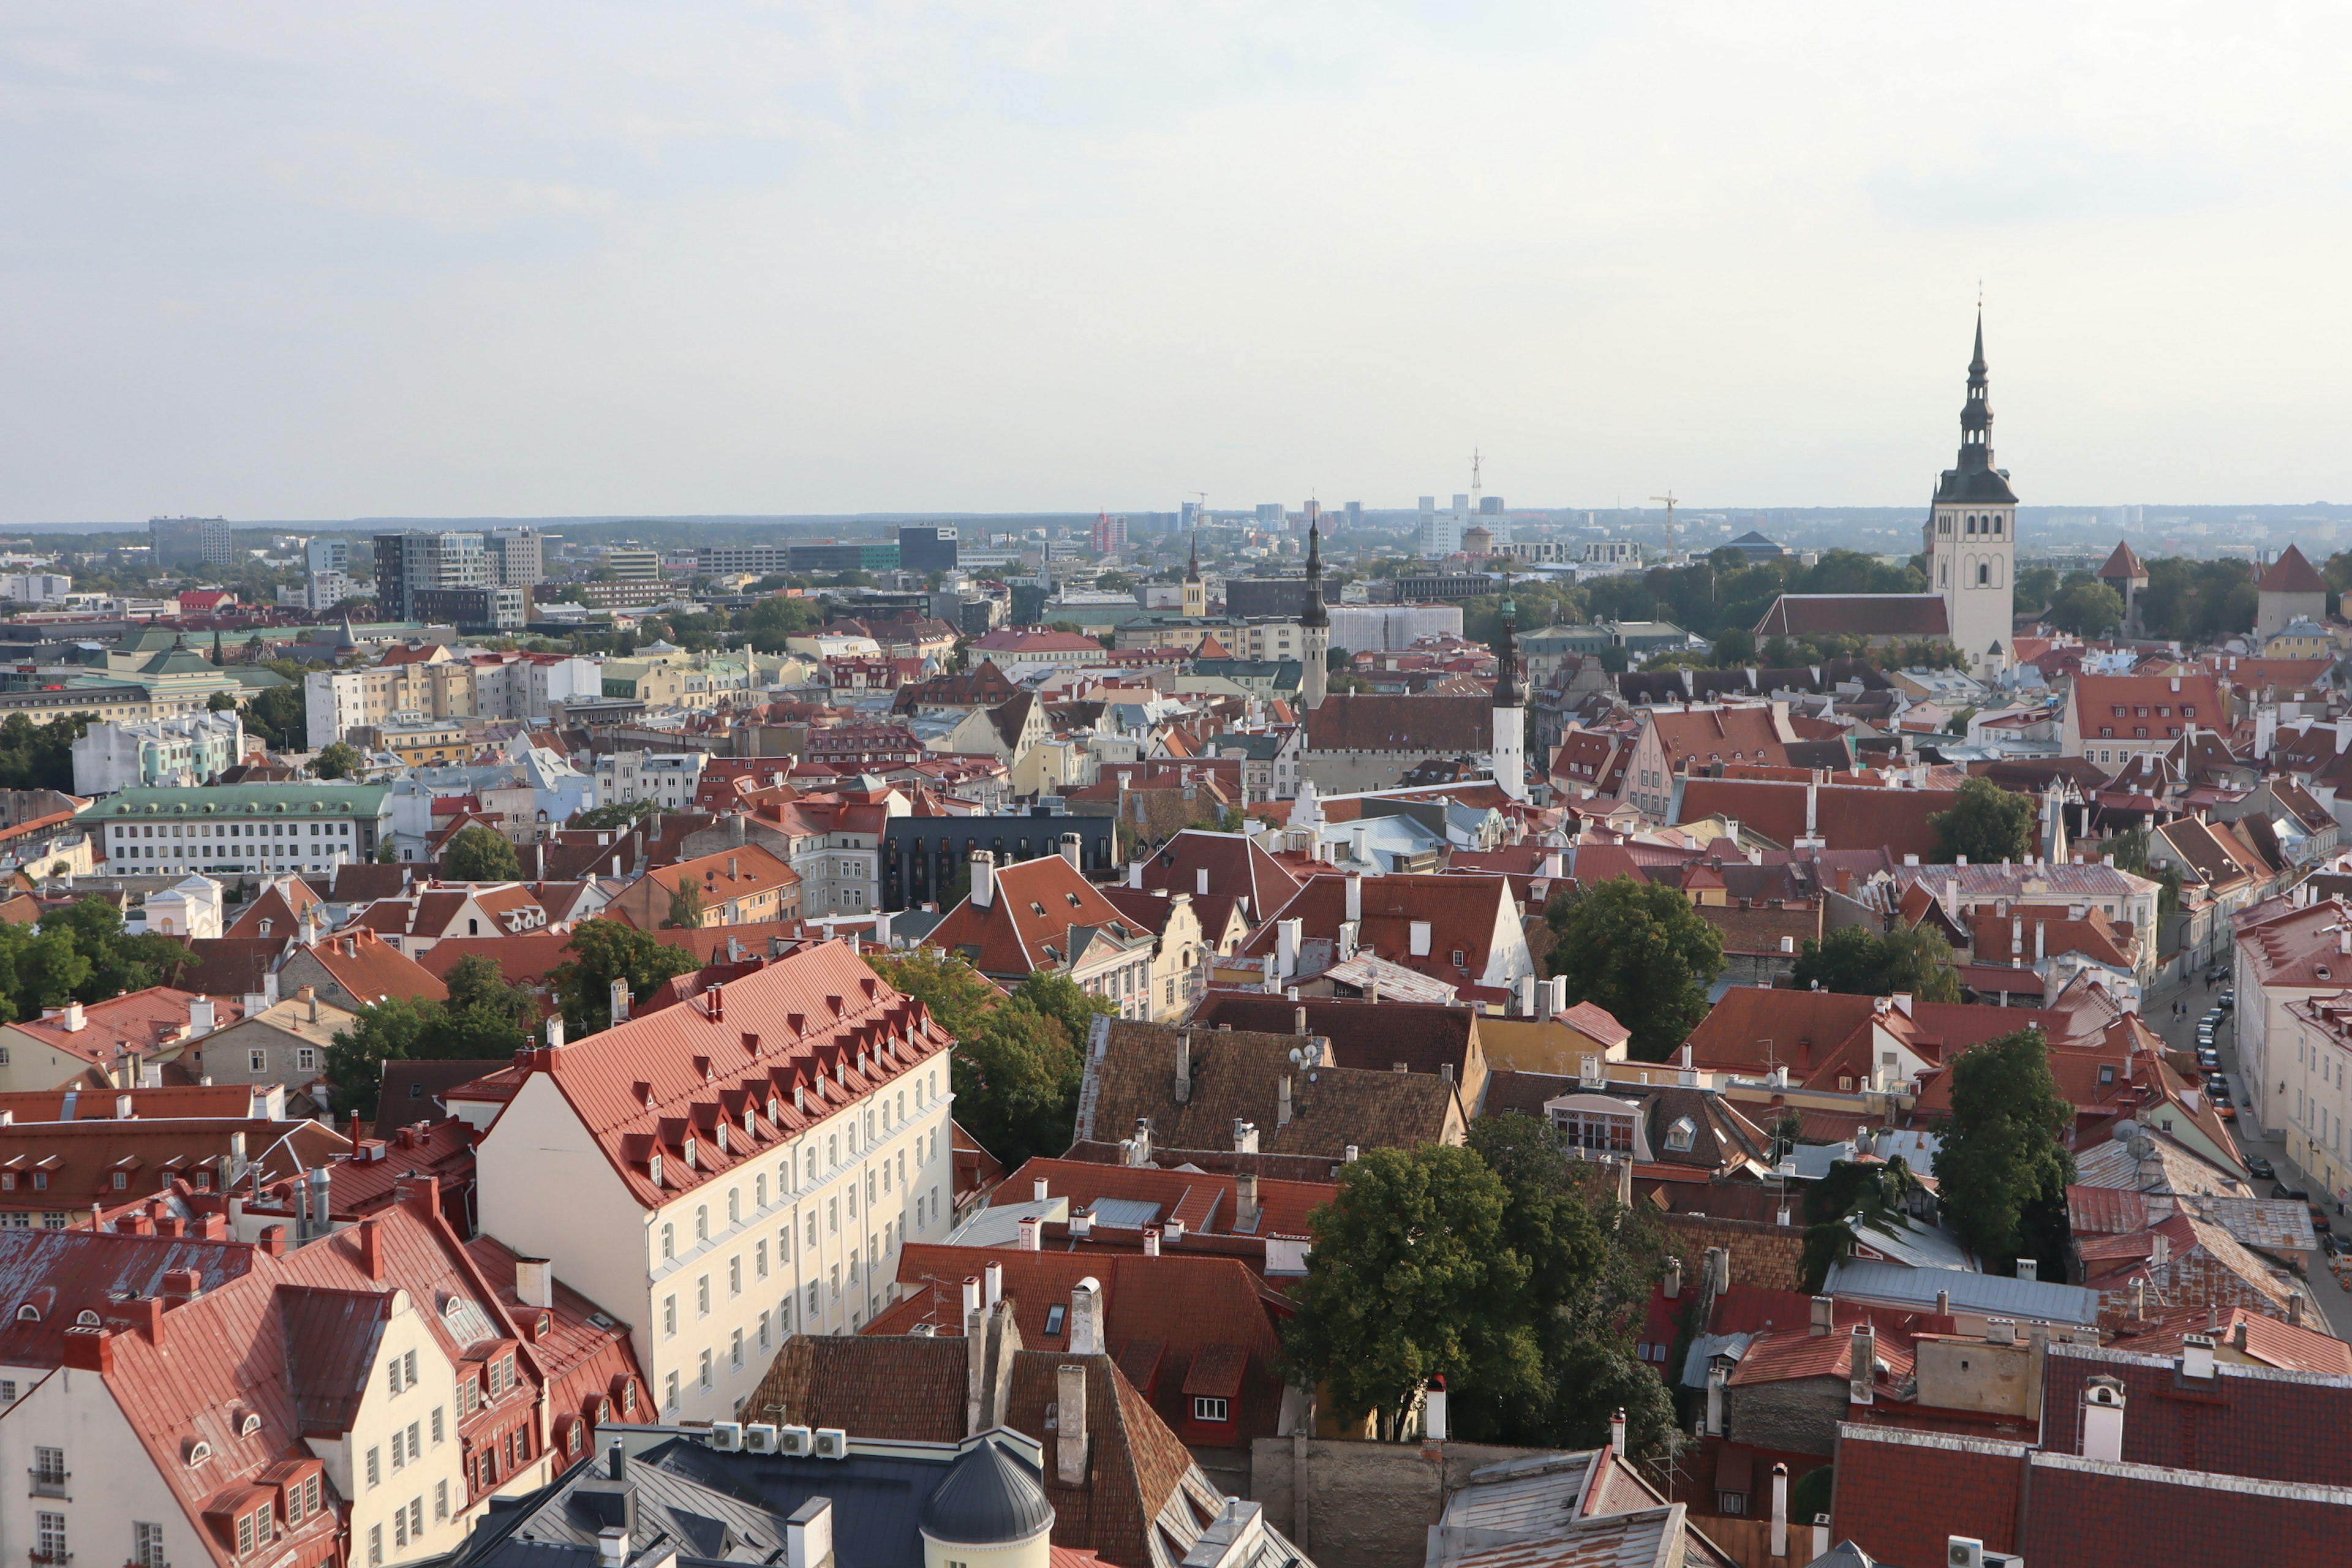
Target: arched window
x,y
1984,575
734,1206
702,1222
670,1241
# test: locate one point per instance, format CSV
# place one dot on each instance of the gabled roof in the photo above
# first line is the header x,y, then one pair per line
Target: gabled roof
x,y
364,965
1843,816
62,1274
1464,915
2124,566
676,1098
2292,573
144,1021
1236,1076
282,903
1375,1036
1237,865
1033,909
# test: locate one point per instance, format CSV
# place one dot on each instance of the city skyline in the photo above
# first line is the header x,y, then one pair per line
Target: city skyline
x,y
710,262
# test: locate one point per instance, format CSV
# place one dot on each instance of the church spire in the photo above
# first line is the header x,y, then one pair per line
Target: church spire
x,y
1193,570
1507,653
1976,415
1314,614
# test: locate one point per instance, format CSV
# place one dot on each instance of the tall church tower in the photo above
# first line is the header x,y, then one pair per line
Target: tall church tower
x,y
1315,627
1196,595
1971,535
1510,717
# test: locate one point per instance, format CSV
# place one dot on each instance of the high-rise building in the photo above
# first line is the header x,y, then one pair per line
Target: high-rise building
x,y
1110,534
1971,534
927,548
1355,515
191,541
518,557
412,562
631,563
1270,513
329,553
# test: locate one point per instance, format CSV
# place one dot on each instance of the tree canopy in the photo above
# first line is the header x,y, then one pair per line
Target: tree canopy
x,y
603,952
485,1018
1640,950
613,813
1860,961
1987,823
1018,1059
336,761
280,716
2087,609
2000,1168
1503,1268
40,756
479,855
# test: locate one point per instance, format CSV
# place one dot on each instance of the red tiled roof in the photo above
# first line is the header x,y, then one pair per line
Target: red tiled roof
x,y
1203,1201
370,970
282,903
1425,726
585,1365
144,1020
1845,816
1035,905
1236,864
817,1023
1466,914
2123,562
65,1273
2292,573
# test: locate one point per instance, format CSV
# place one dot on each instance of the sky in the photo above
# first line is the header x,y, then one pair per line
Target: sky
x,y
522,259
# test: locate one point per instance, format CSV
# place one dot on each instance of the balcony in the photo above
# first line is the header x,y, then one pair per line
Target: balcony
x,y
49,1483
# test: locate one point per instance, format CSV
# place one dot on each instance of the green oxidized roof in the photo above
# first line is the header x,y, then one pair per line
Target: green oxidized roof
x,y
248,800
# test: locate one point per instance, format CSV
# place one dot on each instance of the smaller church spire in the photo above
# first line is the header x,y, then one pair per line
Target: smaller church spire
x,y
1314,614
1193,570
1507,653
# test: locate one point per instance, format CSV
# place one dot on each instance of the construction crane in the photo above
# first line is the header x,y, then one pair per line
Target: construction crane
x,y
1669,498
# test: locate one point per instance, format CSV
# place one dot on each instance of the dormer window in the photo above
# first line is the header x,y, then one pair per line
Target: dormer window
x,y
248,1425
1681,1134
86,1320
653,1168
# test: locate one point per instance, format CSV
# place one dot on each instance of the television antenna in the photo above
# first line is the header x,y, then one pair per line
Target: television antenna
x,y
1669,498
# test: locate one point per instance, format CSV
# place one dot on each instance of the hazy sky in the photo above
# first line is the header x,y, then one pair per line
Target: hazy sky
x,y
495,258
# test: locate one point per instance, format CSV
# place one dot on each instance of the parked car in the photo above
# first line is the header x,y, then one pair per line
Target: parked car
x,y
2208,1057
2259,1168
2227,1003
2280,1190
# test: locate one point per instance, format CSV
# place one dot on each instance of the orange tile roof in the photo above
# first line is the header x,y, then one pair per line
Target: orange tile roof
x,y
365,967
1035,905
144,1021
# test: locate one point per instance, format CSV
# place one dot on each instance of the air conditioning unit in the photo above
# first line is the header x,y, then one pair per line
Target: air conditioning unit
x,y
794,1442
832,1443
759,1438
1964,1551
726,1436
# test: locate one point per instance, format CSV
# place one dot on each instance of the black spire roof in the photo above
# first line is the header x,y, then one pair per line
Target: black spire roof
x,y
1192,571
1315,614
1975,479
989,1499
1507,653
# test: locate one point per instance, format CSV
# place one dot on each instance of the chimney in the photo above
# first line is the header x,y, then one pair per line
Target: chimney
x,y
2103,1420
1433,1411
2196,1358
1070,846
808,1535
1717,1376
1245,1200
2295,1310
273,1240
1943,1303
620,1001
202,1016
1825,1316
1070,1413
534,1282
1282,1102
612,1544
1820,1536
1779,1547
1298,1020
984,879
372,1250
992,1284
1151,1241
1086,1317
1672,1286
73,1018
2029,1269
1355,895
1617,1433
181,1286
1134,874
1184,1066
1718,1268
1245,1136
1031,1234
90,1350
1864,1385
971,1295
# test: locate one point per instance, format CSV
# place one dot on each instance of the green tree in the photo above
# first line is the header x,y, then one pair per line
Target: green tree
x,y
336,761
1987,823
604,951
105,961
1735,649
40,756
958,996
1999,1155
1861,962
2035,585
220,702
479,855
476,984
1409,1261
387,1031
1115,583
2087,609
1639,950
280,717
684,906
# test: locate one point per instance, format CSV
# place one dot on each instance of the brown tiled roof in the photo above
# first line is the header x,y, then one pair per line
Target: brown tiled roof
x,y
1235,1076
412,1090
1202,1200
1375,1036
1762,929
2123,563
1033,907
2292,573
1845,816
1380,721
234,967
1464,915
1238,867
1722,1139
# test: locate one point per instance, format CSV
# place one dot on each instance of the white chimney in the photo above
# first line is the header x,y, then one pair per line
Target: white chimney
x,y
1070,1423
2197,1357
1031,1234
1086,1317
1134,874
73,1018
2103,1420
1617,1433
1037,1190
1071,843
202,1016
1864,1387
1244,1137
1287,935
984,879
1716,1378
992,1286
534,1282
1779,1547
971,1295
1433,1411
1151,1241
612,1546
1355,895
808,1535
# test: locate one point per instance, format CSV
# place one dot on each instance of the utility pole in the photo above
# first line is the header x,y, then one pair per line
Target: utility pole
x,y
1669,498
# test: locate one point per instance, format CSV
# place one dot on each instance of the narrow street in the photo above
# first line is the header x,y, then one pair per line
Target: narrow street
x,y
2183,1033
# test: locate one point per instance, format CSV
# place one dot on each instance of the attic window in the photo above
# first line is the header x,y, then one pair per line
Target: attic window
x,y
1073,897
249,1425
199,1451
1679,1136
1035,908
653,1168
1054,1316
86,1319
28,1314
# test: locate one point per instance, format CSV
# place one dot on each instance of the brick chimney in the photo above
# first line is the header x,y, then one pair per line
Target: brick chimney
x,y
371,1250
90,1350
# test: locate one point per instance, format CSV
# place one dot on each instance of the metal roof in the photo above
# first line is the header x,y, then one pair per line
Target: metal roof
x,y
2038,1300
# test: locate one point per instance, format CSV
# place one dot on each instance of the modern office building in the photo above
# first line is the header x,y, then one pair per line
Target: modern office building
x,y
329,553
865,556
474,609
518,557
631,563
191,541
927,548
412,561
760,557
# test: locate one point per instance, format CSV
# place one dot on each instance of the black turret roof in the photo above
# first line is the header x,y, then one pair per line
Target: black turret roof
x,y
989,1499
1315,614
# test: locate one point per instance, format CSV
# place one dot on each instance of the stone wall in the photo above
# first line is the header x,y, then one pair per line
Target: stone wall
x,y
1364,1505
1793,1416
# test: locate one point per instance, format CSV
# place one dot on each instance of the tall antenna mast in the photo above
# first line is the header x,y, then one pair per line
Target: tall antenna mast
x,y
1669,498
1476,487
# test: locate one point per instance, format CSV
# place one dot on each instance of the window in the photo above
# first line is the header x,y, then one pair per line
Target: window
x,y
735,1277
306,1059
437,1427
257,1060
760,1259
1680,1135
417,1516
702,1296
706,1369
1602,1132
1207,1409
1055,1315
669,1316
50,1537
49,1472
374,1468
415,1449
440,1499
668,1235
669,1392
147,1546
702,1222
375,1546
736,1350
